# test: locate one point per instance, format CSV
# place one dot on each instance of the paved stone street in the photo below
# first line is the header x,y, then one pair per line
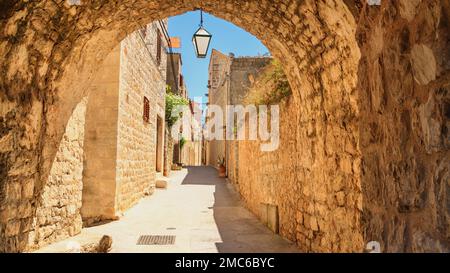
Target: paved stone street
x,y
199,208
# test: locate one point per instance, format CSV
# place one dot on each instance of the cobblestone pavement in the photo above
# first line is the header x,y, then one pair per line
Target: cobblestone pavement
x,y
200,209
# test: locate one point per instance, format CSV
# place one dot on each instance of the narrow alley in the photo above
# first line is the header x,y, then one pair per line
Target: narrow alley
x,y
199,208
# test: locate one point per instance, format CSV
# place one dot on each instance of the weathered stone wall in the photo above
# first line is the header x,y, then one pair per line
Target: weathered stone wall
x,y
140,76
404,97
320,215
229,80
219,67
58,210
174,64
403,144
192,152
168,151
82,182
243,73
273,178
116,150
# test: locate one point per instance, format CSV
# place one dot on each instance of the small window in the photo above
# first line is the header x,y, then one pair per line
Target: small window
x,y
146,115
181,81
158,47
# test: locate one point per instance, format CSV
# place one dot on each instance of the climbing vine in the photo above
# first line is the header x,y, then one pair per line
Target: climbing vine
x,y
271,87
172,102
182,142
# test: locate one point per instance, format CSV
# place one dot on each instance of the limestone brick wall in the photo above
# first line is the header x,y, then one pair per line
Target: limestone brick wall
x,y
243,73
168,151
399,153
321,214
140,76
100,144
174,70
404,97
277,178
219,68
83,182
315,215
191,154
58,211
233,161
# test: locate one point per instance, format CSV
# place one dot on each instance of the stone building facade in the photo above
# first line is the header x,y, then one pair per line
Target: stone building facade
x,y
175,78
110,154
140,142
177,85
230,78
191,153
243,73
218,70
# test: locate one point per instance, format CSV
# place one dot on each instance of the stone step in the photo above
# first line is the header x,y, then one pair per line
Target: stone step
x,y
161,181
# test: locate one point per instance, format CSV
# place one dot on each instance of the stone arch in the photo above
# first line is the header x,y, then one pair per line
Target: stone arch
x,y
59,45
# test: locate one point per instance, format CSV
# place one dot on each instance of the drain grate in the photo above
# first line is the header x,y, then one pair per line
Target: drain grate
x,y
156,240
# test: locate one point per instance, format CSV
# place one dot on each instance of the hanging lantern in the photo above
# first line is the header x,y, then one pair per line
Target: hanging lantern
x,y
201,40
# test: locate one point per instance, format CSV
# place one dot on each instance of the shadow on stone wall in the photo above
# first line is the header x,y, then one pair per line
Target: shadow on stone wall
x,y
239,230
404,100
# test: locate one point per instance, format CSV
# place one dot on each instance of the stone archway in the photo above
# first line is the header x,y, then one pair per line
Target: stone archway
x,y
49,49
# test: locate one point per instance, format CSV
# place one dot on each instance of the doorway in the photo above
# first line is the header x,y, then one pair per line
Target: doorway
x,y
159,144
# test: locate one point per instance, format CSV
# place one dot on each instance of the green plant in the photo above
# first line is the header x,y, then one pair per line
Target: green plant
x,y
172,102
182,142
221,160
271,87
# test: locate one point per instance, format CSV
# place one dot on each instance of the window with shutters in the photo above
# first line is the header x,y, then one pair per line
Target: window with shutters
x,y
146,115
181,81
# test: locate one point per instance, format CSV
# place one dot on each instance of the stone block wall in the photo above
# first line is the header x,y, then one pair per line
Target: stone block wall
x,y
399,153
404,97
174,67
191,153
244,71
315,215
233,161
219,68
332,52
106,158
140,76
58,211
168,151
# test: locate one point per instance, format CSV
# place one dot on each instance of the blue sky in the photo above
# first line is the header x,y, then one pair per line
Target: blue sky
x,y
226,37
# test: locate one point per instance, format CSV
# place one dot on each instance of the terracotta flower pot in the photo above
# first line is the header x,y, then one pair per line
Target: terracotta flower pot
x,y
222,171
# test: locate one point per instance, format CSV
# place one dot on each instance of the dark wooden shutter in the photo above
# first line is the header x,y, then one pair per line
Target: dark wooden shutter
x,y
146,114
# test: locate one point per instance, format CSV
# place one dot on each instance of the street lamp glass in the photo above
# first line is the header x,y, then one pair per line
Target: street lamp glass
x,y
201,41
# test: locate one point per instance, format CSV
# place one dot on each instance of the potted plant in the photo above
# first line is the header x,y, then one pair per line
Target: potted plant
x,y
221,165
